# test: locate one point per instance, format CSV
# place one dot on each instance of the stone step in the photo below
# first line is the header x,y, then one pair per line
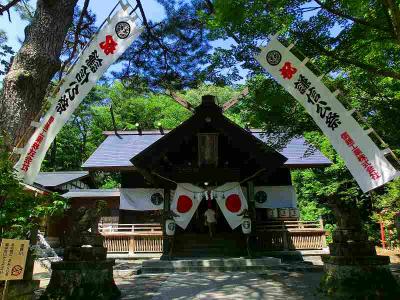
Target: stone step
x,y
286,268
208,253
211,242
201,269
212,262
209,265
205,247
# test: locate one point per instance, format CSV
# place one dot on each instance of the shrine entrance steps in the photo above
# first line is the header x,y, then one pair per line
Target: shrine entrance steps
x,y
210,265
189,245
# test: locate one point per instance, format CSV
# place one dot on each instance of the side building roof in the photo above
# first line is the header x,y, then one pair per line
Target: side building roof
x,y
92,193
55,179
116,152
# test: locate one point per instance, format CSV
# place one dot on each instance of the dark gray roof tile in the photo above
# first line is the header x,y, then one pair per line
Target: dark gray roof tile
x,y
117,152
92,193
53,179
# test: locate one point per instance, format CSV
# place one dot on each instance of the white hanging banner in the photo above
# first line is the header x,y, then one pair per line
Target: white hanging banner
x,y
363,158
185,203
232,203
106,47
275,196
141,199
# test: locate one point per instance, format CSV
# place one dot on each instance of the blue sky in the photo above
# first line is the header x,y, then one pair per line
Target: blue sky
x,y
15,28
154,11
101,8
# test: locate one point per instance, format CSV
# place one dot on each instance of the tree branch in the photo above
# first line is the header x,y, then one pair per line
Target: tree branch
x,y
151,34
6,8
79,28
211,9
348,61
343,15
27,9
394,16
180,100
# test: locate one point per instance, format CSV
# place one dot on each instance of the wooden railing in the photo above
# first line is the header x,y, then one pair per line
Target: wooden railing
x,y
132,238
135,228
274,235
290,235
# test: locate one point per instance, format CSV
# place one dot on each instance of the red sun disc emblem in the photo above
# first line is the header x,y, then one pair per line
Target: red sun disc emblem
x,y
233,203
184,204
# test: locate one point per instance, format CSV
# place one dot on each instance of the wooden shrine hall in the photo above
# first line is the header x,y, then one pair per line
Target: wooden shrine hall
x,y
170,180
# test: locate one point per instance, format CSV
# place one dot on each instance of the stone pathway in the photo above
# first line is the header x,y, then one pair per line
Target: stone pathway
x,y
231,285
268,284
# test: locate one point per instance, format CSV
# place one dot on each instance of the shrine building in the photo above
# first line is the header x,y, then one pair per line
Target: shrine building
x,y
170,178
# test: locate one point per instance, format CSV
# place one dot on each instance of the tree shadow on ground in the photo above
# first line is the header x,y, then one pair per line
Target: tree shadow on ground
x,y
275,285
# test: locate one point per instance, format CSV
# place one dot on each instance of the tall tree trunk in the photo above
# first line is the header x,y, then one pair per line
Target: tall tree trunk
x,y
34,66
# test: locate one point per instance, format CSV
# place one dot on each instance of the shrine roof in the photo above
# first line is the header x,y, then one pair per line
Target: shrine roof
x,y
116,152
92,193
55,179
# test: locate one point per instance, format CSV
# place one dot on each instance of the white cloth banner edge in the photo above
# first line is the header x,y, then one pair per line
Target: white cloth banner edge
x,y
48,135
387,170
126,202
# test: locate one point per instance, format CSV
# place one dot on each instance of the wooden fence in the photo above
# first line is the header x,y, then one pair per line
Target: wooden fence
x,y
290,235
268,236
132,238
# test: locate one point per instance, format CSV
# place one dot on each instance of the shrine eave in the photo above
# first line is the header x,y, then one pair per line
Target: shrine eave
x,y
114,153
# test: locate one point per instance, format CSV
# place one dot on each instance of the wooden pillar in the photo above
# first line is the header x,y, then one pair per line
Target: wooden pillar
x,y
321,224
166,210
252,212
250,200
383,238
285,237
132,245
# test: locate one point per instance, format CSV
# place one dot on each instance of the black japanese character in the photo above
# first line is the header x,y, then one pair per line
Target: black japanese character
x,y
312,96
332,120
302,84
94,62
72,92
83,75
322,109
62,104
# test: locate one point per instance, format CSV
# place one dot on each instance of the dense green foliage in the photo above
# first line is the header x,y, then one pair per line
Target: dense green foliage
x,y
179,51
21,210
5,52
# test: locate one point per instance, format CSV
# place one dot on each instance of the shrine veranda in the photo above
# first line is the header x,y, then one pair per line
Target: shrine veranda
x,y
215,163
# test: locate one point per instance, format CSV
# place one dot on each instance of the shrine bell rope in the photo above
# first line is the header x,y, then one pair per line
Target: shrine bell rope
x,y
230,188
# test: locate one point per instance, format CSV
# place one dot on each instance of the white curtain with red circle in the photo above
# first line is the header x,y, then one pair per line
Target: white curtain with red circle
x,y
231,201
185,203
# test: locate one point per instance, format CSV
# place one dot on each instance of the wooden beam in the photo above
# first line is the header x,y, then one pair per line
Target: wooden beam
x,y
234,100
181,101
